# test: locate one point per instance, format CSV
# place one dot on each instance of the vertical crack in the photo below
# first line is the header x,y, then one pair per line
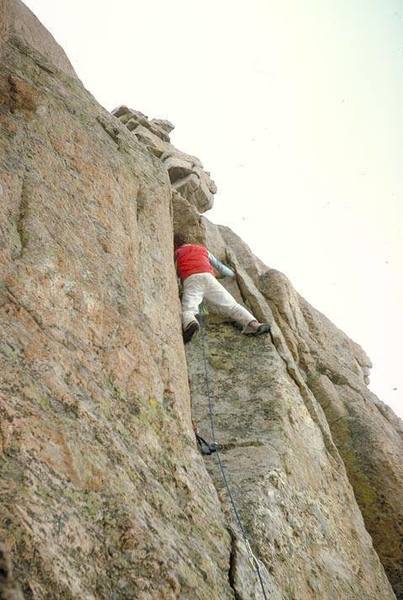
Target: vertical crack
x,y
233,566
21,218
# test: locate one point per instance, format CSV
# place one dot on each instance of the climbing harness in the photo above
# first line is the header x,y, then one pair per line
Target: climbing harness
x,y
253,560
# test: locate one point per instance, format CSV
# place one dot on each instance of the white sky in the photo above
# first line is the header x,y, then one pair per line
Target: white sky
x,y
295,106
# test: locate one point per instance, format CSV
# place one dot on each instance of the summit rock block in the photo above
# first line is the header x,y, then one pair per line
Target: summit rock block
x,y
186,172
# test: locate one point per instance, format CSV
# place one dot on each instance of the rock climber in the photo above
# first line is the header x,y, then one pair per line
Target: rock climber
x,y
196,267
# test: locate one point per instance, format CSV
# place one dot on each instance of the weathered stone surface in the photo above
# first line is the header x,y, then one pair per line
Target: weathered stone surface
x,y
150,140
163,124
193,160
18,23
293,495
103,494
132,118
367,433
9,589
185,171
178,168
309,343
270,424
187,218
286,484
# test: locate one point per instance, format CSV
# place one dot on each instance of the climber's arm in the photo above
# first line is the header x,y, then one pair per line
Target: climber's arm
x,y
219,267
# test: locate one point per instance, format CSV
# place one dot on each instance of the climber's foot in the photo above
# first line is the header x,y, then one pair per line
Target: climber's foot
x,y
256,328
190,330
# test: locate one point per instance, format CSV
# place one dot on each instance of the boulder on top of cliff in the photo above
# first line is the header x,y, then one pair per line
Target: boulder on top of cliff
x,y
186,172
163,124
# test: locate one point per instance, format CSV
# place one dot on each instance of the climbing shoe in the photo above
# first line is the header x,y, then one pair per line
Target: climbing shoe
x,y
256,328
263,328
190,330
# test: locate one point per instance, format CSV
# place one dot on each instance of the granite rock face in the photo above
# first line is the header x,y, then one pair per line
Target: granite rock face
x,y
298,483
366,432
103,492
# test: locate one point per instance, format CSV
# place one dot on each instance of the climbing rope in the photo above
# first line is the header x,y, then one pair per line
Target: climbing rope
x,y
252,557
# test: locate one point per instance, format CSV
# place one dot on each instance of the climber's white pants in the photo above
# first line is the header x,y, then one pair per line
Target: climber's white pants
x,y
205,285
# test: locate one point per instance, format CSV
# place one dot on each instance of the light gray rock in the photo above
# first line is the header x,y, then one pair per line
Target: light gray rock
x,y
178,168
163,124
183,156
185,171
131,123
120,111
19,25
149,139
195,189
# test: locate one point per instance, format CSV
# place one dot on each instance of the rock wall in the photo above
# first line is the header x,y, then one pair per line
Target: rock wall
x,y
103,492
366,432
297,469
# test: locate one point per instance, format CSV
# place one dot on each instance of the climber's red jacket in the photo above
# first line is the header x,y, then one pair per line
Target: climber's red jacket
x,y
191,259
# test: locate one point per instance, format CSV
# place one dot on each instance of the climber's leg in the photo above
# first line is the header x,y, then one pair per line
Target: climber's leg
x,y
193,293
217,295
